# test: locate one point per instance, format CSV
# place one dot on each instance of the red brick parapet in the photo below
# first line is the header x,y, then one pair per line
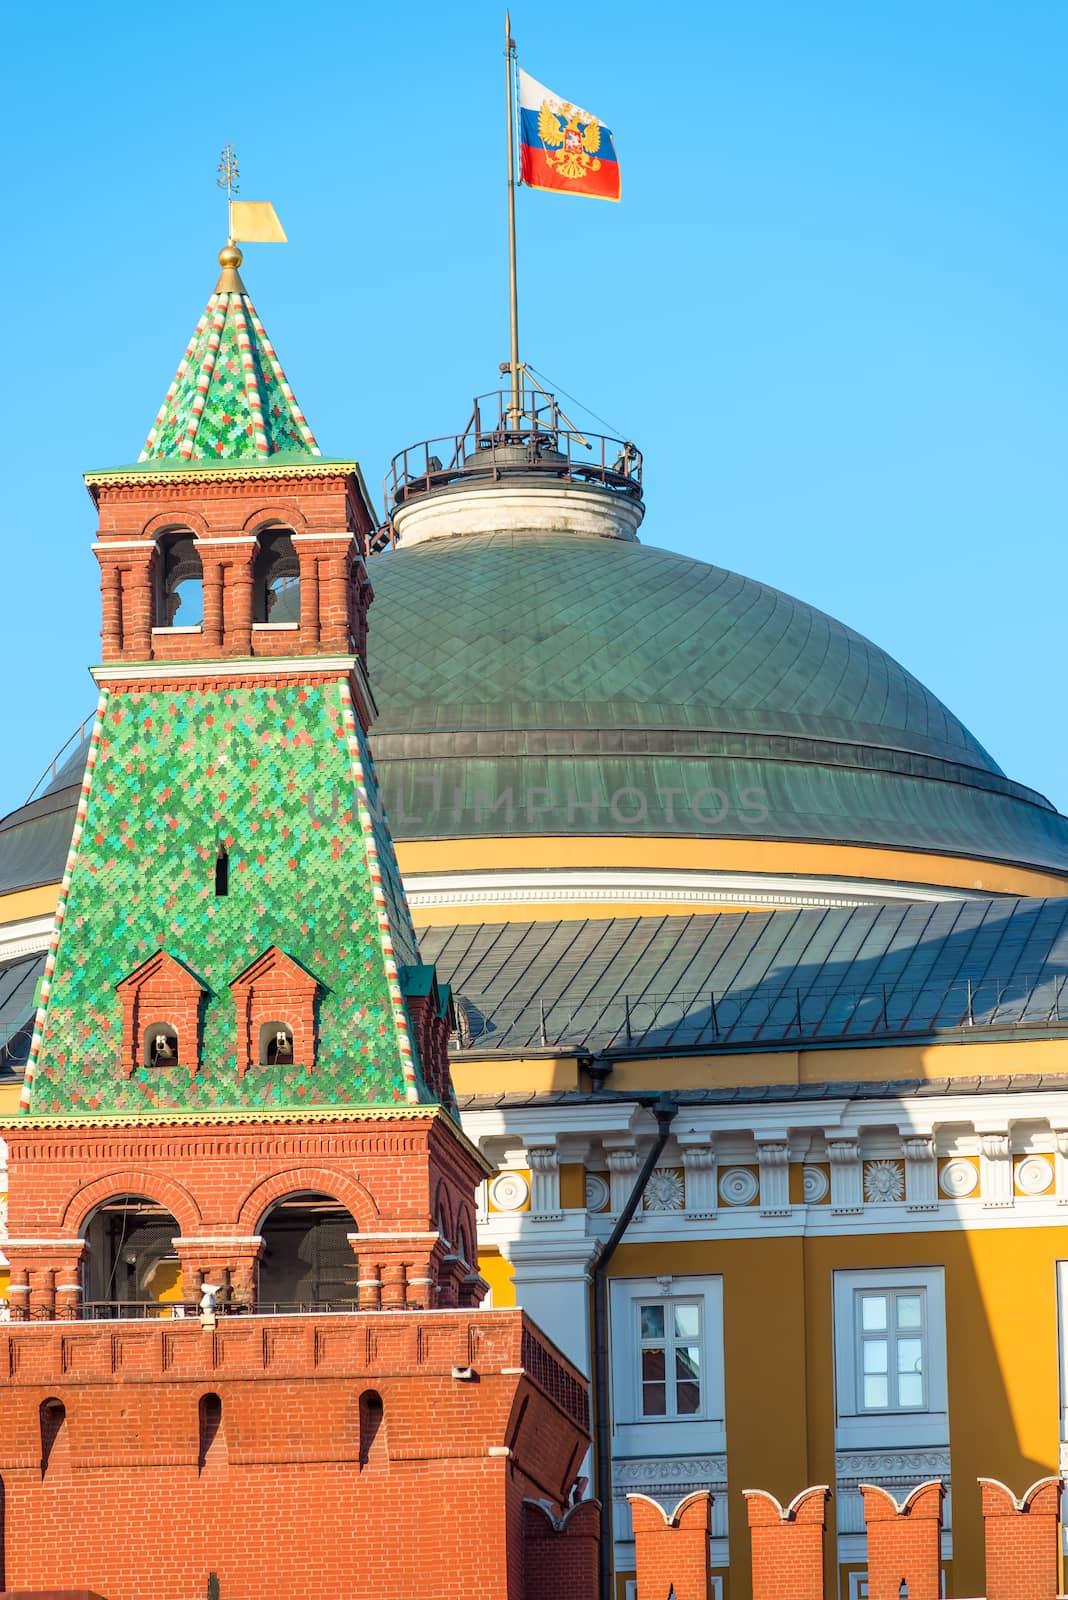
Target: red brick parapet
x,y
560,1553
904,1542
1021,1540
672,1551
787,1543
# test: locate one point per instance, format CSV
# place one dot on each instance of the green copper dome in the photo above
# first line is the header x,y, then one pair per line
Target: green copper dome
x,y
560,684
553,683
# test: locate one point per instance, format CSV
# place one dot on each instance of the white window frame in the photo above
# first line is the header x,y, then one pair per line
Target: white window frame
x,y
890,1336
857,1427
632,1433
669,1343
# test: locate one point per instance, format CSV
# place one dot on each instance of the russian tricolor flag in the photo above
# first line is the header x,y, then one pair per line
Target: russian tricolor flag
x,y
562,147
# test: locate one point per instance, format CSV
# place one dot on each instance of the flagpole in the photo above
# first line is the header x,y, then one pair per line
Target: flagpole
x,y
515,408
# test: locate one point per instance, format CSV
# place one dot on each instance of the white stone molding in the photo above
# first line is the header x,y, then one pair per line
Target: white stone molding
x,y
773,1157
482,1210
518,509
995,1170
847,1180
921,1173
622,1171
27,937
597,1192
551,1273
699,1167
544,1181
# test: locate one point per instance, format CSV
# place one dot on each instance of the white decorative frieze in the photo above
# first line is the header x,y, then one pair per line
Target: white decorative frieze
x,y
773,1156
738,1186
897,1470
663,1192
596,1192
884,1181
958,1179
699,1168
1034,1174
995,1170
667,1480
815,1185
544,1181
921,1173
847,1193
509,1191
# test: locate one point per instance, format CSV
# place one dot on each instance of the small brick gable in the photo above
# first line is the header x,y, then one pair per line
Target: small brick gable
x,y
160,991
274,988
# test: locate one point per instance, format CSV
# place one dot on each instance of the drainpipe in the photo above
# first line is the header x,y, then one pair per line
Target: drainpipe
x,y
663,1109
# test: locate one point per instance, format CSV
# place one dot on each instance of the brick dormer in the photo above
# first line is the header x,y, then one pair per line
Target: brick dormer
x,y
272,996
161,1003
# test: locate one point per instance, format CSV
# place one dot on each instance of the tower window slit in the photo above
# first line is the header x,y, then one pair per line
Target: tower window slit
x,y
222,872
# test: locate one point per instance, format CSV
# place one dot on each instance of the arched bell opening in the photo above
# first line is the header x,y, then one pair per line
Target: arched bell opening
x,y
131,1267
276,1045
160,1045
307,1259
276,578
180,582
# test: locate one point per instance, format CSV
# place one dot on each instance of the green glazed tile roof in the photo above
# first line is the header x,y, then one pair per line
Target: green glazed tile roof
x,y
230,399
283,777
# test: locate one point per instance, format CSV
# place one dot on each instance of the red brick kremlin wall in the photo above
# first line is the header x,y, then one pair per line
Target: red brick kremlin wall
x,y
298,1458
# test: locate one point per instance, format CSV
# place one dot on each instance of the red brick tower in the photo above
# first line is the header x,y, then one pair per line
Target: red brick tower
x,y
238,1150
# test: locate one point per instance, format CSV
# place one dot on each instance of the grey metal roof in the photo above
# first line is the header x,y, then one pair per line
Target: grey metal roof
x,y
18,981
739,980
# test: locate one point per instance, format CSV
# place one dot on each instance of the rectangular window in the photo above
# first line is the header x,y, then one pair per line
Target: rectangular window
x,y
891,1330
669,1343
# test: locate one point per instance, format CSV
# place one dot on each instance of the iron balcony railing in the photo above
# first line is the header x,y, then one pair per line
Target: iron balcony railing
x,y
496,445
767,1015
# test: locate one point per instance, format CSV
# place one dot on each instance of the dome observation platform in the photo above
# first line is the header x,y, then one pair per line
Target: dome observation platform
x,y
573,723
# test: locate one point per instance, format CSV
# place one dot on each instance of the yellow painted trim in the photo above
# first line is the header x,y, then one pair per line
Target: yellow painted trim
x,y
28,903
521,852
539,1074
572,1185
9,1099
861,1063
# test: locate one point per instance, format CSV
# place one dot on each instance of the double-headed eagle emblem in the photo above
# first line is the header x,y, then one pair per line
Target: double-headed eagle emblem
x,y
571,145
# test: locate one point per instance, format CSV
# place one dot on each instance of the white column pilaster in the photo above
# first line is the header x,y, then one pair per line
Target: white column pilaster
x,y
544,1182
622,1171
773,1157
699,1170
847,1174
921,1173
995,1170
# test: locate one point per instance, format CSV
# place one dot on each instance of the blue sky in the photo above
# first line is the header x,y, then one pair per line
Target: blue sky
x,y
830,307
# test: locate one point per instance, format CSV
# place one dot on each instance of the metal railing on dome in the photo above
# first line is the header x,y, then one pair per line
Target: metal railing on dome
x,y
496,445
714,1018
51,772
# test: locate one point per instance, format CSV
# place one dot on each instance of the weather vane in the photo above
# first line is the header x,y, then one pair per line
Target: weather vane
x,y
229,172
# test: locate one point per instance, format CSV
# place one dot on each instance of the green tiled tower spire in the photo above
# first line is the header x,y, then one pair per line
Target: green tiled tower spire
x,y
282,778
229,400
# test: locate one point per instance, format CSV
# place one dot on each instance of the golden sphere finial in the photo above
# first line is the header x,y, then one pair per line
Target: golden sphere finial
x,y
230,256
